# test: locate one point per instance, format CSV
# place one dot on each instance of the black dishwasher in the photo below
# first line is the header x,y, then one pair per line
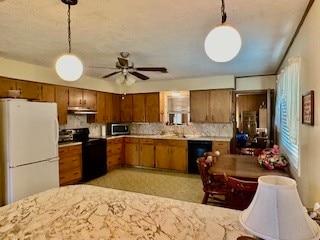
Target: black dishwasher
x,y
197,149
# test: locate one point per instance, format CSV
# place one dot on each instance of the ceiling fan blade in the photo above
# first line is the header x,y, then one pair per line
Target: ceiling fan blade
x,y
154,69
110,74
139,75
123,62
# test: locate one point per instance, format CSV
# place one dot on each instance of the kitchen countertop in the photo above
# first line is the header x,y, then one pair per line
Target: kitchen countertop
x,y
167,137
66,144
173,137
89,212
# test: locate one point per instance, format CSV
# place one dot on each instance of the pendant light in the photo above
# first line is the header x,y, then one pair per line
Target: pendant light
x,y
68,66
223,43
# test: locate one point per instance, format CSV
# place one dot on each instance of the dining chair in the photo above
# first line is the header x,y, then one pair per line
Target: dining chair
x,y
240,192
214,185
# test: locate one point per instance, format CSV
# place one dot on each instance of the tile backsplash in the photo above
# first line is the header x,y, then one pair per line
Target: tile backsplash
x,y
202,129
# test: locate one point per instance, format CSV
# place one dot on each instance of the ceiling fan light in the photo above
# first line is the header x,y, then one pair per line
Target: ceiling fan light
x,y
223,43
69,67
120,80
130,80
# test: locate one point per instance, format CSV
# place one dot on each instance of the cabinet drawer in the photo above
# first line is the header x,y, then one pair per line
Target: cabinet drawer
x,y
113,161
75,149
70,176
114,149
69,163
115,141
63,151
146,141
131,140
220,144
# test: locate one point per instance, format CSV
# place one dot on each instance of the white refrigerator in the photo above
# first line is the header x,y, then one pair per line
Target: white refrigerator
x,y
29,162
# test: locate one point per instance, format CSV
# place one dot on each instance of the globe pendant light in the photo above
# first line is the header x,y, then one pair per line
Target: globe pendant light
x,y
223,43
68,66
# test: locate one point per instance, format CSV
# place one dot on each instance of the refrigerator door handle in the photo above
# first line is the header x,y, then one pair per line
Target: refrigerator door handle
x,y
57,131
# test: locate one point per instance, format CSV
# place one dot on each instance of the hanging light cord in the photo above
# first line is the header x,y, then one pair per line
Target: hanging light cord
x,y
223,13
69,29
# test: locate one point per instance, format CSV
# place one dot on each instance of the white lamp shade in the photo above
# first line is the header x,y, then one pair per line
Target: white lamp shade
x,y
223,43
69,67
276,212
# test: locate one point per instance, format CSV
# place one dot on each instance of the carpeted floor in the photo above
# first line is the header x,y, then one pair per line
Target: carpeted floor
x,y
186,187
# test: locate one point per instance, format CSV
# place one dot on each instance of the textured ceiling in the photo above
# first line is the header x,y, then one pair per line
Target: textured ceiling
x,y
158,33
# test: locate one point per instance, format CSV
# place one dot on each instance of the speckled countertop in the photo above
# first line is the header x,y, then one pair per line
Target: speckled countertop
x,y
89,212
187,137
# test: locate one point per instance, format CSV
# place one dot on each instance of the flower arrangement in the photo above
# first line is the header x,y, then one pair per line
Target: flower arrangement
x,y
271,158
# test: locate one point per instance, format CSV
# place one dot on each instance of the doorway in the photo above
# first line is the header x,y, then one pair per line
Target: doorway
x,y
254,116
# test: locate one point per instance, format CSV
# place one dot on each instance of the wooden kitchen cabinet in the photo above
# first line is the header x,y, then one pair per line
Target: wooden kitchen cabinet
x,y
171,154
6,85
126,108
132,151
109,108
47,93
138,108
101,109
211,106
61,98
114,153
222,146
70,164
146,107
146,157
82,98
152,107
29,90
116,106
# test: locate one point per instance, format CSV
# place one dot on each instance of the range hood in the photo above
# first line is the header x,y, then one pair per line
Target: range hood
x,y
81,110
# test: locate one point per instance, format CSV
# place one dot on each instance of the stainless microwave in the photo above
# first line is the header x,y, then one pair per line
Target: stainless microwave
x,y
117,129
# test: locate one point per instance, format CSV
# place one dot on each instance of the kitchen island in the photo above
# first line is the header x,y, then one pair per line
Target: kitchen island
x,y
88,212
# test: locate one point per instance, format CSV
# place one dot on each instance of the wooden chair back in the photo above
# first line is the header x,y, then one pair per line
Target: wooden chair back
x,y
241,192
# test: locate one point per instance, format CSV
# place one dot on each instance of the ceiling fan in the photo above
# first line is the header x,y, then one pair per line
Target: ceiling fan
x,y
126,67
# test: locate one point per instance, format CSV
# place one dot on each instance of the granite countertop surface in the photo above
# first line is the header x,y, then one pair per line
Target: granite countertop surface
x,y
90,212
173,137
66,144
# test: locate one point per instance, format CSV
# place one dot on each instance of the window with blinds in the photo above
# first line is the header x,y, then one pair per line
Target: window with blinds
x,y
290,149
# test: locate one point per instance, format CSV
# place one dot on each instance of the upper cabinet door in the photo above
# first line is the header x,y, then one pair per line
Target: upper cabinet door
x,y
152,107
75,97
109,107
116,106
47,93
126,108
199,106
101,107
6,85
61,95
220,106
139,108
89,99
29,90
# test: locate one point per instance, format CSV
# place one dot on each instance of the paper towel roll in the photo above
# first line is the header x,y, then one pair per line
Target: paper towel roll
x,y
103,131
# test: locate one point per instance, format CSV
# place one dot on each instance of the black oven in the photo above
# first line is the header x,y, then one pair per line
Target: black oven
x,y
93,158
94,154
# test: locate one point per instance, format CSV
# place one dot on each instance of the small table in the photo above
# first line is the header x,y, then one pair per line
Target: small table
x,y
243,166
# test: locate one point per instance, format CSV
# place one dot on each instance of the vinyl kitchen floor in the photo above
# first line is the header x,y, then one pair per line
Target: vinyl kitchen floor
x,y
180,186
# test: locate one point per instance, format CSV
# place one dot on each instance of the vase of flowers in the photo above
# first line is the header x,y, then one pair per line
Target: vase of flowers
x,y
271,158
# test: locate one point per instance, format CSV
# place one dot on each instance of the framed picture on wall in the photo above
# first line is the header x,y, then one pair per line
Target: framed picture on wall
x,y
308,108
